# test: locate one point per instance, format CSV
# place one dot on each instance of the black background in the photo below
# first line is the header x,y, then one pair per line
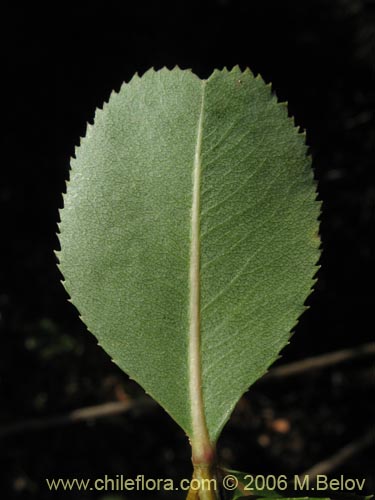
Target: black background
x,y
58,66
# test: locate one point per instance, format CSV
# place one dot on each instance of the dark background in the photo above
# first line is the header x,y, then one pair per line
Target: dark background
x,y
58,66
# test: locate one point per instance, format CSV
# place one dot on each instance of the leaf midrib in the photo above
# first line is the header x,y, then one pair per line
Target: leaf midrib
x,y
200,438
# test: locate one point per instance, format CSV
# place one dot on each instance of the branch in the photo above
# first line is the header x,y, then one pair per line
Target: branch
x,y
145,403
337,459
79,415
321,361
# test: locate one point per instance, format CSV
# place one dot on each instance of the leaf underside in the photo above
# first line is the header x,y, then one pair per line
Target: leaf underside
x,y
189,236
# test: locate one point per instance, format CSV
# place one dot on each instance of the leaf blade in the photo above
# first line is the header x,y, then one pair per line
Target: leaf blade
x,y
250,207
128,237
115,263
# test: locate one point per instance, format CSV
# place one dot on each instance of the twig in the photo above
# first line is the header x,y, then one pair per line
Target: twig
x,y
117,407
321,361
86,413
338,458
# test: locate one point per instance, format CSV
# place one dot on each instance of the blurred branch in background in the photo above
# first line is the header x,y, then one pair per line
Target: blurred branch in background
x,y
81,414
337,459
322,361
145,403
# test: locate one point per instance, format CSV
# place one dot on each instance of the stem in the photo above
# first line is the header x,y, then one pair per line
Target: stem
x,y
204,484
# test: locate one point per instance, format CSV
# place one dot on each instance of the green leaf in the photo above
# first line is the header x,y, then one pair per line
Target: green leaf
x,y
189,237
246,487
277,497
332,496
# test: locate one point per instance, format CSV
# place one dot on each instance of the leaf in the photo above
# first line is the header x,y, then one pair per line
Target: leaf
x,y
236,497
331,496
189,237
246,488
